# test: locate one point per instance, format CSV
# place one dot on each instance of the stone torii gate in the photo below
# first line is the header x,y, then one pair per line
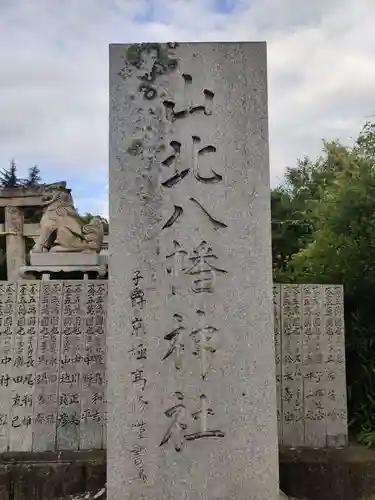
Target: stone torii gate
x,y
13,201
15,230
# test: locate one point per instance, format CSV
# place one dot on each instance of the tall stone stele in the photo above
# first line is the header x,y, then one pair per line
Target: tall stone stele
x,y
191,390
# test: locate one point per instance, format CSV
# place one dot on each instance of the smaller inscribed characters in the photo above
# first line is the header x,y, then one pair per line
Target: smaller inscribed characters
x,y
137,295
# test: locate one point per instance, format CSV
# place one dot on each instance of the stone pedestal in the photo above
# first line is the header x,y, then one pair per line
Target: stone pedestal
x,y
62,265
191,391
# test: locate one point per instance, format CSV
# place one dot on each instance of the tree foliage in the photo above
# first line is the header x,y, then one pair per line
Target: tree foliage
x,y
9,177
329,237
33,178
86,218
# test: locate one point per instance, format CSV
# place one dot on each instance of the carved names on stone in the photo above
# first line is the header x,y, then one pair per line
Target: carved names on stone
x,y
278,354
70,377
312,382
93,375
313,347
23,366
8,298
47,366
292,373
31,366
334,360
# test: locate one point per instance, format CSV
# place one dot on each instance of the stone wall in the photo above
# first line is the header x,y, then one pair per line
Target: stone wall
x,y
52,370
52,365
310,365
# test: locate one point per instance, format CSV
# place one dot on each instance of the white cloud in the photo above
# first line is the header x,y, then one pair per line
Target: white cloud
x,y
54,73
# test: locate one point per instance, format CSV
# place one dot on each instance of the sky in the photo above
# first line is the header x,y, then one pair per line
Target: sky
x,y
54,75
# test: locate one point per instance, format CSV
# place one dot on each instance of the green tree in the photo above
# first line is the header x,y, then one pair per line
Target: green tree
x,y
33,178
9,177
293,204
86,218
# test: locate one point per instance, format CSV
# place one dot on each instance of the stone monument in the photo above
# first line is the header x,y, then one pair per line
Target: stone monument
x,y
65,244
191,367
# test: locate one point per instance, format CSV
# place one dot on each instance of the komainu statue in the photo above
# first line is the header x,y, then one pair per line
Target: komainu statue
x,y
62,229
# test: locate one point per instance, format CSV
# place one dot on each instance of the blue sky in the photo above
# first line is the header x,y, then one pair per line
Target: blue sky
x,y
54,75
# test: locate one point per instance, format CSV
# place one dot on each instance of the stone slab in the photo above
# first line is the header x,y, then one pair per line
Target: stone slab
x,y
23,366
191,390
56,259
8,319
317,315
15,242
70,377
47,367
93,384
312,382
33,272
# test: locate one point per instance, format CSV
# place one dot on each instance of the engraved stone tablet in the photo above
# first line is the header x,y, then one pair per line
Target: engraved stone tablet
x,y
69,396
334,360
93,366
47,366
23,367
278,354
191,389
292,376
312,394
8,297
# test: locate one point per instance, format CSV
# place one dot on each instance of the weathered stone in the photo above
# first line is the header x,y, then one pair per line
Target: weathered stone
x,y
70,376
8,319
93,373
15,243
192,403
47,367
23,366
311,384
61,228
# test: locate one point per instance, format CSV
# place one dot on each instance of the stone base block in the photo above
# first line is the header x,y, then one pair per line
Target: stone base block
x,y
59,259
63,272
328,474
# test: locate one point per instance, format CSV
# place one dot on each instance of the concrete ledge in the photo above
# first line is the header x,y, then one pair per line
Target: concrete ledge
x,y
62,272
46,476
328,474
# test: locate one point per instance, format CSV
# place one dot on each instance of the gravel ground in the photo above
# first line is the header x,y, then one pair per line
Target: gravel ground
x,y
101,495
97,495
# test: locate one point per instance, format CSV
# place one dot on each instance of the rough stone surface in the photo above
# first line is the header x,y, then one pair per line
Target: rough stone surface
x,y
192,403
15,243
